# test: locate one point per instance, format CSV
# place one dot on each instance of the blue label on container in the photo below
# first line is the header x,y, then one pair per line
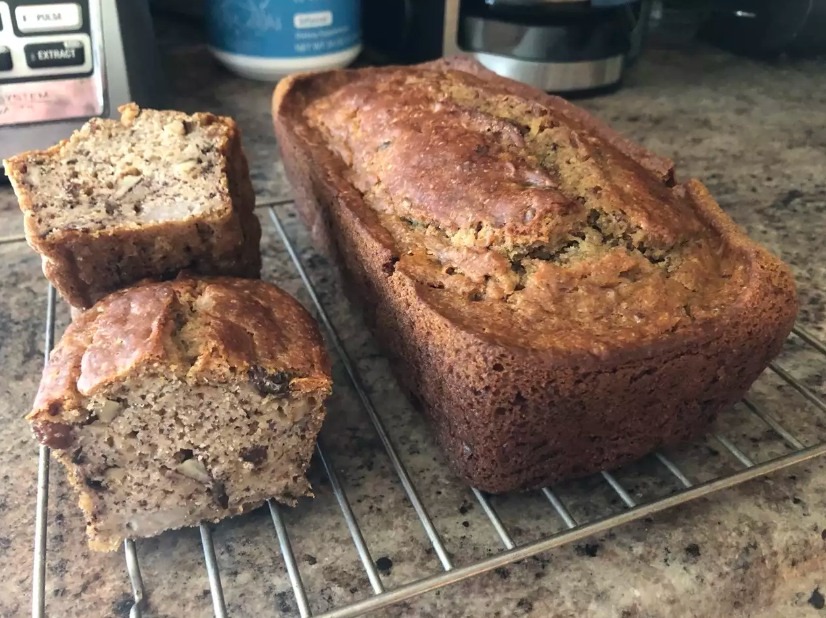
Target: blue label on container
x,y
283,28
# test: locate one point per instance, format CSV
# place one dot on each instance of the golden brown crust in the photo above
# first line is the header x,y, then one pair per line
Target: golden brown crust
x,y
504,203
660,166
503,408
87,260
197,329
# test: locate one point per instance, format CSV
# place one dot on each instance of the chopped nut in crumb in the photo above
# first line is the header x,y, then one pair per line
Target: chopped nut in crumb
x,y
109,411
176,127
196,470
126,184
187,167
131,171
128,113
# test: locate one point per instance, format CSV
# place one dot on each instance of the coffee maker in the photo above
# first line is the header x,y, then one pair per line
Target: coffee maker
x,y
563,46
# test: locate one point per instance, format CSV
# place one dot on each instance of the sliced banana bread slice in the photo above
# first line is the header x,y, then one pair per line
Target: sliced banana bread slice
x,y
176,402
146,196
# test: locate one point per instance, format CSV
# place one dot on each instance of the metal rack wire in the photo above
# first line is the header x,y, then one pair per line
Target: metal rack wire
x,y
572,529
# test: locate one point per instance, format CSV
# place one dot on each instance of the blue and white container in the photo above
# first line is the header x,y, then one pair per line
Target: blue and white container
x,y
268,39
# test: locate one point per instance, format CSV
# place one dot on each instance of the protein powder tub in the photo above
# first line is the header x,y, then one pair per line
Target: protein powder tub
x,y
268,39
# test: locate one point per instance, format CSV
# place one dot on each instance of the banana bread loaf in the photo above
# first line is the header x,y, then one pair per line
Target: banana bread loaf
x,y
176,402
146,196
548,293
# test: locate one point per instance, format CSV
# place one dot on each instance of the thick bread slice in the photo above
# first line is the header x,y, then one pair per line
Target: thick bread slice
x,y
146,196
176,402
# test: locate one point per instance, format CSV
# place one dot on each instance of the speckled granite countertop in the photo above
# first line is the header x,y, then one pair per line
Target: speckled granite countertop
x,y
755,134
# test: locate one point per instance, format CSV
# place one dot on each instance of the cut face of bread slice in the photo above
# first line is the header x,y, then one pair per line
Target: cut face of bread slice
x,y
155,453
179,402
143,197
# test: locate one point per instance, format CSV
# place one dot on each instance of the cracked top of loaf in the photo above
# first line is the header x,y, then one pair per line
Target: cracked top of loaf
x,y
525,219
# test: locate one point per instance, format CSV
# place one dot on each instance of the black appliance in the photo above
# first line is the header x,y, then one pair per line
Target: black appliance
x,y
767,28
566,46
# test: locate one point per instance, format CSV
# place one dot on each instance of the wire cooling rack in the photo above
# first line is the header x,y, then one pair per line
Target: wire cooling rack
x,y
686,487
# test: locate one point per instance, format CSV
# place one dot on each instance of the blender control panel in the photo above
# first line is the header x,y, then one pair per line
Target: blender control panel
x,y
48,61
43,41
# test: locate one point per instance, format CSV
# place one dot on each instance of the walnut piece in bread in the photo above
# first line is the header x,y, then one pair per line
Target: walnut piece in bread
x,y
177,402
146,196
